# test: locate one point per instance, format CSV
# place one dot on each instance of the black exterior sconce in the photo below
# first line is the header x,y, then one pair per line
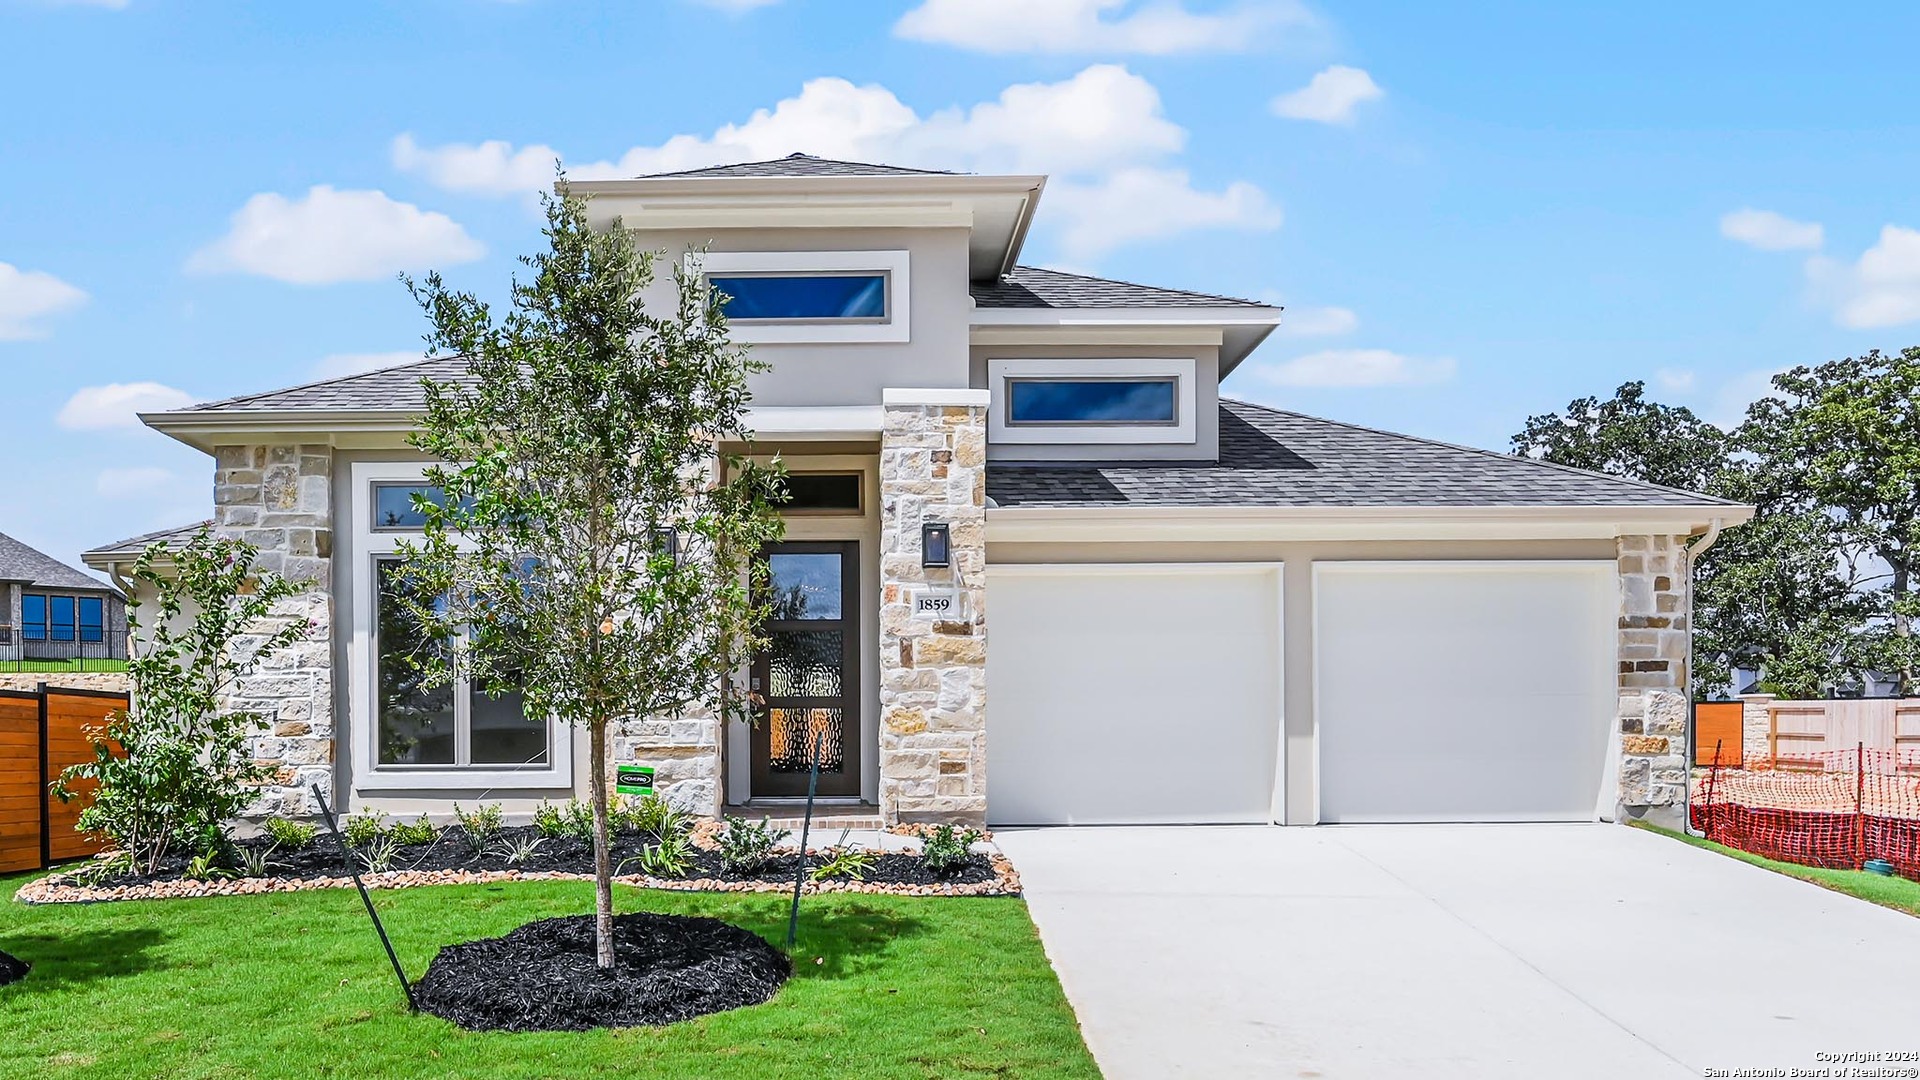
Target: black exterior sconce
x,y
936,548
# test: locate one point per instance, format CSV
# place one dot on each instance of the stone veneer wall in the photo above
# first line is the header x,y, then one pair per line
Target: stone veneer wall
x,y
1756,729
112,682
684,753
278,498
933,680
1654,649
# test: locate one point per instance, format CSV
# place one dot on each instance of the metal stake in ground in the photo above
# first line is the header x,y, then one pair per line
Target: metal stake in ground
x,y
806,824
398,973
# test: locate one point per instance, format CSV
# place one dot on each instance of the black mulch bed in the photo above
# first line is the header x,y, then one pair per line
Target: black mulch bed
x,y
543,976
12,969
565,854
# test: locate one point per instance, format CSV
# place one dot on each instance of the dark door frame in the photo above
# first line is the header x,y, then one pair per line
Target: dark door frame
x,y
846,783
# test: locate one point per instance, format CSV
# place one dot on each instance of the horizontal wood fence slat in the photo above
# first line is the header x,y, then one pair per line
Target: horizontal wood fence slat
x,y
41,733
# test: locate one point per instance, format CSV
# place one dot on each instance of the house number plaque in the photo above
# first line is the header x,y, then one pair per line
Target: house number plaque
x,y
936,603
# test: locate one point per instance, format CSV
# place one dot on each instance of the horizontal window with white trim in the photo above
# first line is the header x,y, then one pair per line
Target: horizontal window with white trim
x,y
801,297
1100,400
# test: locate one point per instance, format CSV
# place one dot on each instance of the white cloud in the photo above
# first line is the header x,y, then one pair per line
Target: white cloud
x,y
1348,368
1674,380
1101,134
343,364
1767,231
29,296
1330,96
103,408
328,236
1155,27
1317,321
1152,204
1881,289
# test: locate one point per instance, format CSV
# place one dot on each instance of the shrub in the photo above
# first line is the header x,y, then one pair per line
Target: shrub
x,y
480,825
520,849
947,848
655,815
363,829
292,835
178,764
844,861
746,847
549,820
414,833
255,861
378,856
670,858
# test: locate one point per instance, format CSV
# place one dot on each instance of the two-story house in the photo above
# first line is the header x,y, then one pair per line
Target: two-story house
x,y
1051,574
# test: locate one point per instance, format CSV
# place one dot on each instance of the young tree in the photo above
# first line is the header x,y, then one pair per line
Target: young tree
x,y
594,543
172,770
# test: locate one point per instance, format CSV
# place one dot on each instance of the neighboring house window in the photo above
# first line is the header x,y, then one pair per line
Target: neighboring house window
x,y
408,735
803,297
33,618
797,297
60,618
1093,401
93,619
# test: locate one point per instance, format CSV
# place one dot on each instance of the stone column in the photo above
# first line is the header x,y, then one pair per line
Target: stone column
x,y
1756,730
278,498
933,680
1653,653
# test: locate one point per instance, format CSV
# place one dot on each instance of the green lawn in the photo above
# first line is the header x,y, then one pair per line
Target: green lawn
x,y
295,985
61,667
1895,892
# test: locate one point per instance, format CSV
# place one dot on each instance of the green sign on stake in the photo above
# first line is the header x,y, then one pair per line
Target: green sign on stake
x,y
633,780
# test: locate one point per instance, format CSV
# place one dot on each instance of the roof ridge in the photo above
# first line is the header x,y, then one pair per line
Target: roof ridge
x,y
316,382
1142,285
800,156
1493,454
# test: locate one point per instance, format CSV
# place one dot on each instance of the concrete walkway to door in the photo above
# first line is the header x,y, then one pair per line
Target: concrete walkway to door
x,y
1438,951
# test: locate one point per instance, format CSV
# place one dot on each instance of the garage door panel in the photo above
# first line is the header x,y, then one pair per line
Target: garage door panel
x,y
1462,692
1132,694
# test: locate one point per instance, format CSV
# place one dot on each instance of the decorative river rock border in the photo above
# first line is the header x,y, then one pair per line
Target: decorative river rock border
x,y
57,889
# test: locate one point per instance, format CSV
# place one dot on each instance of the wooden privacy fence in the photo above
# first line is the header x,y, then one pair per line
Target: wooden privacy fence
x,y
1805,733
41,733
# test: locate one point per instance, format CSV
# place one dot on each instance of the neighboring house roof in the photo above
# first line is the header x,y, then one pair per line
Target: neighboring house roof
x,y
1270,457
18,562
801,165
1035,287
133,546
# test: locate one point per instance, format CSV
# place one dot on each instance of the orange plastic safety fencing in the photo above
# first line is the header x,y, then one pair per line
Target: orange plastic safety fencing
x,y
1836,809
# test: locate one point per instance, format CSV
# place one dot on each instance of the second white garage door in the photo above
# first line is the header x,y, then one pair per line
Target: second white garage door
x,y
1132,693
1463,691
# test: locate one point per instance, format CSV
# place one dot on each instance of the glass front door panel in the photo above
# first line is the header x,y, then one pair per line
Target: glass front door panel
x,y
804,585
808,674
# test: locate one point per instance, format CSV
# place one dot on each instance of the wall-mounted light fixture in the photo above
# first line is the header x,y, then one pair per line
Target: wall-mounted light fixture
x,y
936,548
666,541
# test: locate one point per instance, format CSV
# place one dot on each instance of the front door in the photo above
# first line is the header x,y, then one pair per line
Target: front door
x,y
809,674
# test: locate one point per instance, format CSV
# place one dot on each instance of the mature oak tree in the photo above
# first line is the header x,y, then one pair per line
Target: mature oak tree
x,y
594,546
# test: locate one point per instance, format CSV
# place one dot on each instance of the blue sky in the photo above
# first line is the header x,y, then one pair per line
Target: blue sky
x,y
1472,212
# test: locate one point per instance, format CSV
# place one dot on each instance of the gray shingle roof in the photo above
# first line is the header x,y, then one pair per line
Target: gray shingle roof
x,y
132,546
799,165
1034,287
1269,457
396,388
18,562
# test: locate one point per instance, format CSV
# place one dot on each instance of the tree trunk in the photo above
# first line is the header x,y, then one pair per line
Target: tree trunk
x,y
602,857
1900,628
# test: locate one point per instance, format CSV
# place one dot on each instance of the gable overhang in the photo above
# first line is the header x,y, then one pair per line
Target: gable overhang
x,y
1240,329
1095,524
997,211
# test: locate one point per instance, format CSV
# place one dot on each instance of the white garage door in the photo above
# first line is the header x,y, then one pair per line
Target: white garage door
x,y
1131,694
1463,691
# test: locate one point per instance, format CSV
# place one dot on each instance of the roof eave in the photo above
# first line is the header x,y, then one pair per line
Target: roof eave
x,y
203,429
1514,522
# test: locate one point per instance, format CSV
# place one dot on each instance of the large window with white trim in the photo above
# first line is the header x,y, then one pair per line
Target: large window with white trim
x,y
801,297
824,297
407,733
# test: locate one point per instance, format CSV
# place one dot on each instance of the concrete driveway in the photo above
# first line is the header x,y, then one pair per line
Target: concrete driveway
x,y
1437,951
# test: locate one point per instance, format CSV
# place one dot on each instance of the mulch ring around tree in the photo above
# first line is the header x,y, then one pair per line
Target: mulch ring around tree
x,y
12,969
543,976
